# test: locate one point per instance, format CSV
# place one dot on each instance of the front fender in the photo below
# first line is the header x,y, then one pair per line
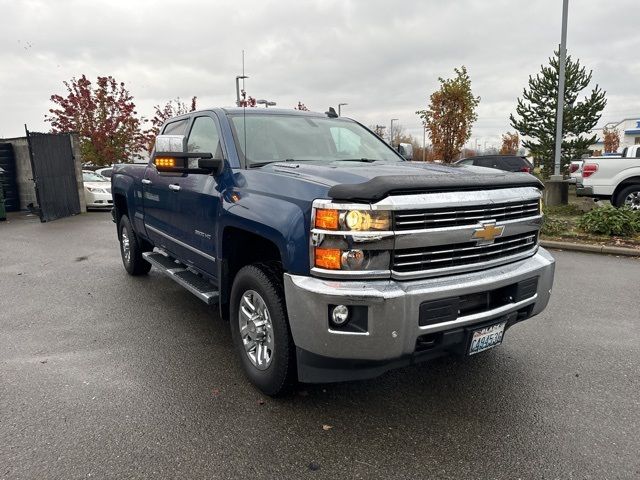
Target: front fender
x,y
278,220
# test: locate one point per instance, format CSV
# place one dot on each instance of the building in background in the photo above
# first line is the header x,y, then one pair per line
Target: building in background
x,y
629,129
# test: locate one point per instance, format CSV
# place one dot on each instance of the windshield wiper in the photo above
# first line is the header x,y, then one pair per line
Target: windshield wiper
x,y
367,160
262,164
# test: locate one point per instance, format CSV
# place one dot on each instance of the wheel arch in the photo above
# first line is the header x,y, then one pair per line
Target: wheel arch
x,y
635,180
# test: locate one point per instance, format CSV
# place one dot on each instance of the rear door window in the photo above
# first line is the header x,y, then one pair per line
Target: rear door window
x,y
176,128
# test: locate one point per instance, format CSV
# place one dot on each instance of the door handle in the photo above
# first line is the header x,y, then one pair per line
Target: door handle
x,y
174,186
146,181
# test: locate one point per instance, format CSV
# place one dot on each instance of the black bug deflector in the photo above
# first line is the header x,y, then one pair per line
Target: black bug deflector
x,y
379,187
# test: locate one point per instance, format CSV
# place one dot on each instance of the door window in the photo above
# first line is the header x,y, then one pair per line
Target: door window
x,y
204,137
176,128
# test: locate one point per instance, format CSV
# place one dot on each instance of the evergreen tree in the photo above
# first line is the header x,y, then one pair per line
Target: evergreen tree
x,y
536,113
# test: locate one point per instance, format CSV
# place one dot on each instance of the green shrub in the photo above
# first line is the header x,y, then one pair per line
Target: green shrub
x,y
622,222
553,227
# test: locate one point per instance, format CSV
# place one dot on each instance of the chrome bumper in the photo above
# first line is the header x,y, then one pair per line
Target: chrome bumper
x,y
394,308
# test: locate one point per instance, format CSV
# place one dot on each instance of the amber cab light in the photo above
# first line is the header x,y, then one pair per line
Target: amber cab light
x,y
166,162
327,219
328,258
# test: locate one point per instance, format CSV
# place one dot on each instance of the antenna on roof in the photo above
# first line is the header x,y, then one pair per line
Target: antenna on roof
x,y
238,78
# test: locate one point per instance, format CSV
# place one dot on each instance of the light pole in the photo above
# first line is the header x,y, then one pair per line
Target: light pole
x,y
339,107
391,131
238,78
266,103
561,75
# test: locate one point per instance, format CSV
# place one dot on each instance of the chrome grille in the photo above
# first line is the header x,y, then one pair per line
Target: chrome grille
x,y
429,259
460,216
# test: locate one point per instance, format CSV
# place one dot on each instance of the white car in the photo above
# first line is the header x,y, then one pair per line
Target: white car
x,y
105,172
97,190
615,178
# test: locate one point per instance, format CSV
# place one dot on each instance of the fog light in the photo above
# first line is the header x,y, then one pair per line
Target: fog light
x,y
340,315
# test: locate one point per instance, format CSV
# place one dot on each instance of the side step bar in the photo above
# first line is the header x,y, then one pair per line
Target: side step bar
x,y
178,272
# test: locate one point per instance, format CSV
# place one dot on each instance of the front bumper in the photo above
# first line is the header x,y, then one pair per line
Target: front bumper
x,y
98,200
393,331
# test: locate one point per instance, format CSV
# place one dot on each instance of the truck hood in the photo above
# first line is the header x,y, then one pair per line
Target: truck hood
x,y
374,181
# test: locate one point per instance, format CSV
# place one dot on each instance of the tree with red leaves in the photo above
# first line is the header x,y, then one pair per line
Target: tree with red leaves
x,y
247,101
104,117
172,108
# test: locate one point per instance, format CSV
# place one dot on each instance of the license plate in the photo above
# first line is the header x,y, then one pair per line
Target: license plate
x,y
486,338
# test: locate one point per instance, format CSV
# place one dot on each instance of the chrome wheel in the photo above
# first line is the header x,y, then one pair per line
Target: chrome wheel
x,y
256,329
633,200
126,246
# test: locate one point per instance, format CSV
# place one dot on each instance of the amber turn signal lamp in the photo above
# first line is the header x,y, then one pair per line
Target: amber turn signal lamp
x,y
327,219
166,162
328,258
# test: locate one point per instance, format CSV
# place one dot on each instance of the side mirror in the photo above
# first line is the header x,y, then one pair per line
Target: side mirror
x,y
406,150
196,162
171,156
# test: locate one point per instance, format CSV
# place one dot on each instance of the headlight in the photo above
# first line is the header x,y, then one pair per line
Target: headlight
x,y
356,220
96,190
350,240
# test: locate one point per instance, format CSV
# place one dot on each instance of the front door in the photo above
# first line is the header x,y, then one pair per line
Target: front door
x,y
160,197
197,211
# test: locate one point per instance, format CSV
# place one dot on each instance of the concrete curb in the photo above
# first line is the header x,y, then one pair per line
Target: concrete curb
x,y
585,247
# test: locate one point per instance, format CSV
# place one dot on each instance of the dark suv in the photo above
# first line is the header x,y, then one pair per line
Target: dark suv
x,y
509,163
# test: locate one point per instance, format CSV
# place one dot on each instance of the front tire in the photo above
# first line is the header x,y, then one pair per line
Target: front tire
x,y
131,250
260,330
629,197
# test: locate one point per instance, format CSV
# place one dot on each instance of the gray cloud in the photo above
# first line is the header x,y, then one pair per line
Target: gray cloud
x,y
381,57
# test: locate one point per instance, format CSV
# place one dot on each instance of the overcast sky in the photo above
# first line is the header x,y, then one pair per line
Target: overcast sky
x,y
383,58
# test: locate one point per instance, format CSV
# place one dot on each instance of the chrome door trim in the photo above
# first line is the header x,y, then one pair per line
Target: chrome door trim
x,y
182,244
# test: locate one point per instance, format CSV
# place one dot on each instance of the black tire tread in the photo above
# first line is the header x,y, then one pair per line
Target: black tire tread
x,y
138,265
618,201
269,276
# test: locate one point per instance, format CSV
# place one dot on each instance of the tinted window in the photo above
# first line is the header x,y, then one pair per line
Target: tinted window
x,y
513,162
176,128
466,162
204,137
485,162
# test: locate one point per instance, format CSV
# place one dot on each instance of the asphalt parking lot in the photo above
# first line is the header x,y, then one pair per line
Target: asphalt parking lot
x,y
107,376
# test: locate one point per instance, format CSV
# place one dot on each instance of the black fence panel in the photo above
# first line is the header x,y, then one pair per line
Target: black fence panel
x,y
8,178
54,174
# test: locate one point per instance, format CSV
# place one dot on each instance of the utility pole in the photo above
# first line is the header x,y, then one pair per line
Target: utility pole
x,y
561,79
340,109
391,131
424,142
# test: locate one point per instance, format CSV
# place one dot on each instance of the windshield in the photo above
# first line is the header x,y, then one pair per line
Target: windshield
x,y
93,177
278,138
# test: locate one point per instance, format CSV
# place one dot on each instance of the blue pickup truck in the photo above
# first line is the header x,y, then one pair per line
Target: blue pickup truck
x,y
333,257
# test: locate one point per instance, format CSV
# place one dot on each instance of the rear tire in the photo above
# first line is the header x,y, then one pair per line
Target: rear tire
x,y
131,249
260,329
629,197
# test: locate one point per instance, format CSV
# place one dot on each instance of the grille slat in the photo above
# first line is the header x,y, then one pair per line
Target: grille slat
x,y
461,216
429,258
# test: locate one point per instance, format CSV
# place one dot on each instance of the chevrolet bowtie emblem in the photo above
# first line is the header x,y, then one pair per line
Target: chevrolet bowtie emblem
x,y
488,233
